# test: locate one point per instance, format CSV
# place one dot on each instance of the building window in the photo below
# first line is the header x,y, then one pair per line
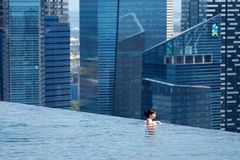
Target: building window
x,y
168,60
207,58
178,60
189,59
198,59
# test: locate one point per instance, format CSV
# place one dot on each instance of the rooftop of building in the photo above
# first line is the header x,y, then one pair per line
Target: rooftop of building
x,y
32,132
184,32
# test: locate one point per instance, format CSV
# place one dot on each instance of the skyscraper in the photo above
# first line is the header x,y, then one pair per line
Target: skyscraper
x,y
169,19
105,27
56,73
193,13
188,105
57,62
1,47
182,76
129,67
230,77
98,30
230,86
36,56
22,49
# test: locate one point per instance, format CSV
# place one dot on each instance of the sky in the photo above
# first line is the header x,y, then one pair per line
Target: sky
x,y
177,5
74,5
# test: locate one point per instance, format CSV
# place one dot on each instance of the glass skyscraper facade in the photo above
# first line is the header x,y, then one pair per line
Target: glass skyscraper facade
x,y
128,70
1,47
106,29
57,62
1,67
21,51
139,29
169,19
179,104
56,59
193,12
98,30
230,86
191,59
36,52
230,77
152,17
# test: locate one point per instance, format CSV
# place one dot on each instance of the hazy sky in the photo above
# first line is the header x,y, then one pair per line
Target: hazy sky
x,y
177,5
74,5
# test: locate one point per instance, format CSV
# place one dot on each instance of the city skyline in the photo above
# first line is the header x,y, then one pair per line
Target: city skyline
x,y
74,5
108,41
195,11
35,53
178,84
114,35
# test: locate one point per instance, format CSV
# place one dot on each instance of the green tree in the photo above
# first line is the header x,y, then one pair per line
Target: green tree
x,y
74,105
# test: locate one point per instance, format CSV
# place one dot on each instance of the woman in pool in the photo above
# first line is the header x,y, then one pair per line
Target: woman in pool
x,y
151,115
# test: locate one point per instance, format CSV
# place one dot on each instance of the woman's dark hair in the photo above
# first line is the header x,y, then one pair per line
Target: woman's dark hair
x,y
149,112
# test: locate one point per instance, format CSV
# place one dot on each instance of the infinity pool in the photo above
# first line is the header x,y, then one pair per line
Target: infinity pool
x,y
39,133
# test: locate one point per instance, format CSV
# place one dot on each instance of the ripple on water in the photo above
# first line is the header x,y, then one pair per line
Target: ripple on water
x,y
17,125
14,140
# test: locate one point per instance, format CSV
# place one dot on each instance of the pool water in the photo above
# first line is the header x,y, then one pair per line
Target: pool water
x,y
36,133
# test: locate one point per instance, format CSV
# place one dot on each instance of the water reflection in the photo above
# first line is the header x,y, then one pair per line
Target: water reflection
x,y
150,129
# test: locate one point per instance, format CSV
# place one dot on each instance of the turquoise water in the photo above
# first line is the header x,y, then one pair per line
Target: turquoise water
x,y
36,133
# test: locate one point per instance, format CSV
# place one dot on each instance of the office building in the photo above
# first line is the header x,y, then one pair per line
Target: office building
x,y
56,74
1,66
230,86
230,77
129,68
169,19
180,67
36,56
1,47
57,62
179,104
22,49
106,29
193,13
